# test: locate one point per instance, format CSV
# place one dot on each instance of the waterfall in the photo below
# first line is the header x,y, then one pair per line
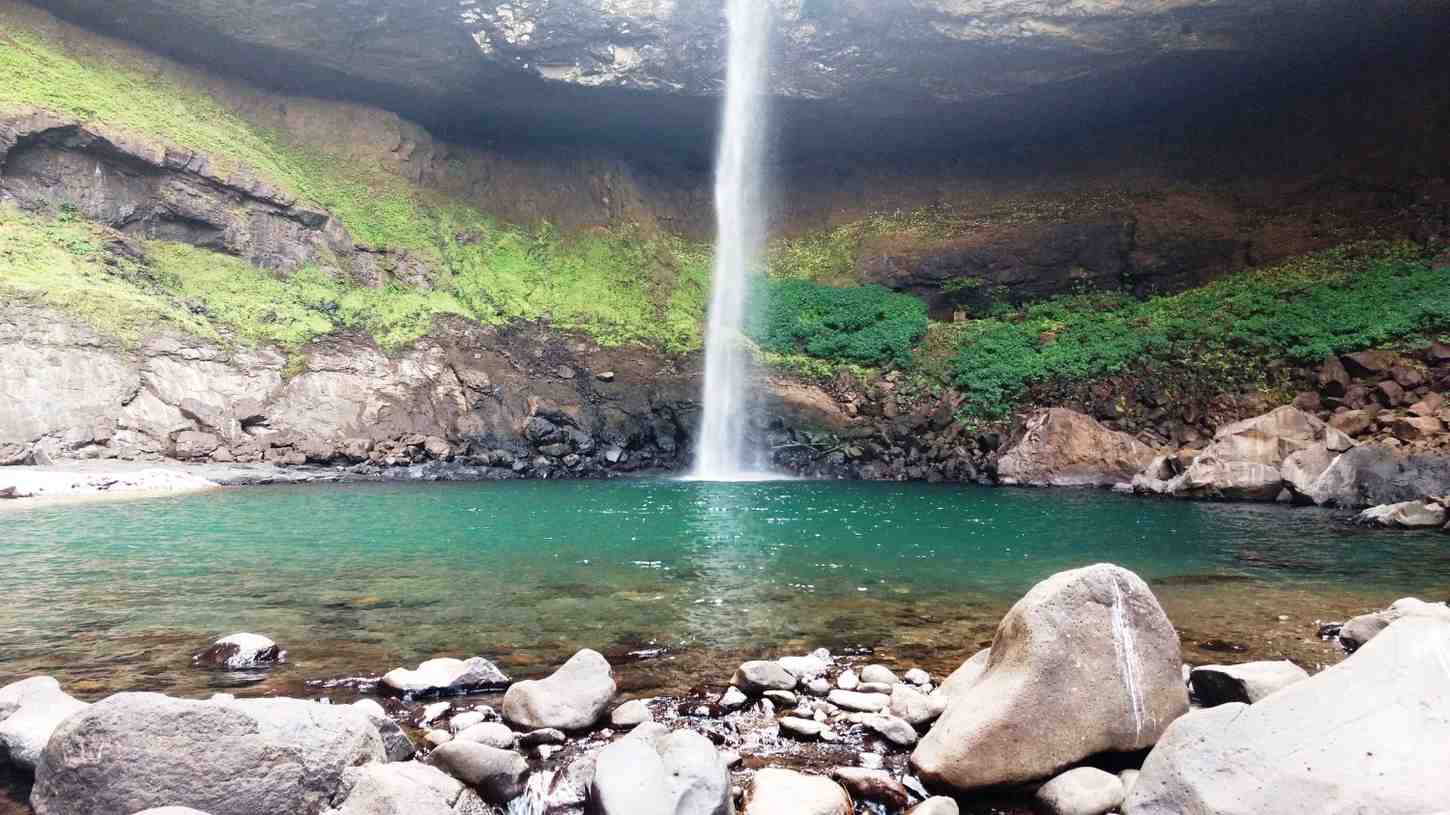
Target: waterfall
x,y
721,453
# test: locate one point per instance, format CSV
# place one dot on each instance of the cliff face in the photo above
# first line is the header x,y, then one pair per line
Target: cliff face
x,y
922,148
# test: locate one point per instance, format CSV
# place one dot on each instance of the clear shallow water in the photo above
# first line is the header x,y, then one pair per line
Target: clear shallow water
x,y
671,579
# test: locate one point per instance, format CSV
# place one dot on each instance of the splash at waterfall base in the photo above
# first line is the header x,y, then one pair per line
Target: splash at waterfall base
x,y
1081,684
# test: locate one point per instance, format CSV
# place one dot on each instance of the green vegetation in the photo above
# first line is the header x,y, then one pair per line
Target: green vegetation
x,y
62,264
620,286
868,325
1354,297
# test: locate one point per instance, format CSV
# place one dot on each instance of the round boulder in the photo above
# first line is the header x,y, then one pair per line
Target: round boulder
x,y
761,675
676,774
1083,791
571,698
775,791
1089,650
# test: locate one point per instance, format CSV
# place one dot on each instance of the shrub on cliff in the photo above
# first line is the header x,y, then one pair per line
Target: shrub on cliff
x,y
870,325
1344,299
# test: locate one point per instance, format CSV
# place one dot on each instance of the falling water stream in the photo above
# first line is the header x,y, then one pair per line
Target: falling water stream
x,y
722,453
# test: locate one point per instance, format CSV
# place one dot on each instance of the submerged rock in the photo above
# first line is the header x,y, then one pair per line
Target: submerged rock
x,y
676,774
571,698
135,750
1063,448
241,652
775,791
444,676
1089,650
1247,683
1368,735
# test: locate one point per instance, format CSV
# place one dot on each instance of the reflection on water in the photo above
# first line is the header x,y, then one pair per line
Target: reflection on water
x,y
671,579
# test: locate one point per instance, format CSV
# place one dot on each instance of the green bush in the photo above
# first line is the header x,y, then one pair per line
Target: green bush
x,y
868,325
1341,300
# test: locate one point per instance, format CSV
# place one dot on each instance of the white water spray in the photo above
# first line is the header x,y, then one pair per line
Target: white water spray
x,y
721,453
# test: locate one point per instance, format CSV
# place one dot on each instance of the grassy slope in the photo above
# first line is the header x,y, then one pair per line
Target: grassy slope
x,y
620,286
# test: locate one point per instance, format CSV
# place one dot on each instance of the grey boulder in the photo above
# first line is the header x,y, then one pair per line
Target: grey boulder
x,y
631,713
675,774
405,788
758,676
774,791
1248,682
494,734
1081,791
571,698
37,706
248,757
1089,650
498,775
1369,735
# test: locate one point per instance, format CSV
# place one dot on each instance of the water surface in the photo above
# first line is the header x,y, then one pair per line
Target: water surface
x,y
672,580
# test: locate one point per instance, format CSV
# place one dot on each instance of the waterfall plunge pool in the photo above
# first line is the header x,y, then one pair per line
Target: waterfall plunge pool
x,y
675,581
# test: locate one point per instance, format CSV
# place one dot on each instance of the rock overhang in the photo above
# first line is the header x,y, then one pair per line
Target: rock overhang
x,y
849,75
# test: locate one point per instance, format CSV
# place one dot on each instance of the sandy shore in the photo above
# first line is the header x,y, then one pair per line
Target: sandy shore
x,y
88,481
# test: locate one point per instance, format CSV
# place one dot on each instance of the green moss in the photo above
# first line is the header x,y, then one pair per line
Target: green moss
x,y
1354,297
61,264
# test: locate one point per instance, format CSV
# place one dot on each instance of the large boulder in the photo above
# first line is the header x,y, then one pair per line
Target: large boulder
x,y
1089,650
1256,459
571,698
36,707
1370,475
1248,682
775,791
759,676
1370,735
249,757
1063,448
403,788
680,773
445,676
1360,630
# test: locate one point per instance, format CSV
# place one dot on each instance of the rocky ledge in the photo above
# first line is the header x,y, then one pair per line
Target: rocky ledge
x,y
1136,731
